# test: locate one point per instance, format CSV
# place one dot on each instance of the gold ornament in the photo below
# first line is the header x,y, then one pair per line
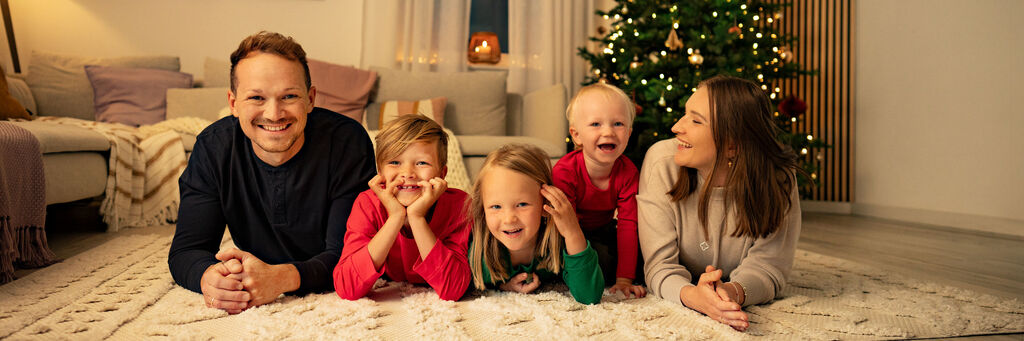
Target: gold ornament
x,y
673,41
653,56
696,58
785,54
635,63
661,101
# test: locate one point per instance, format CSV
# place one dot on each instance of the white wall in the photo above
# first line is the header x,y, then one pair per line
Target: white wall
x,y
939,124
329,30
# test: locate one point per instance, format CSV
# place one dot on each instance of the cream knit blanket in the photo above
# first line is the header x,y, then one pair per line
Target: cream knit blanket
x,y
143,170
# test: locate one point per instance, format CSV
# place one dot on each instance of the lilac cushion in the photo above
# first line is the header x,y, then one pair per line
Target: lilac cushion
x,y
342,89
133,96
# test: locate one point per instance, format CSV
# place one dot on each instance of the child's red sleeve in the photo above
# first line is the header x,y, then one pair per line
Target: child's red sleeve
x,y
355,274
626,233
446,267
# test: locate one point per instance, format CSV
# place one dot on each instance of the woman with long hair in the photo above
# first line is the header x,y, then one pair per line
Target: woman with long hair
x,y
719,210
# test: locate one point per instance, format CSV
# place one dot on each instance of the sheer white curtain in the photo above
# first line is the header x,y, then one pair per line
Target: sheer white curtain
x,y
416,35
543,36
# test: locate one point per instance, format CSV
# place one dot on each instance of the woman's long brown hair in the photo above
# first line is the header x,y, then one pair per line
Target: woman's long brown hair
x,y
761,179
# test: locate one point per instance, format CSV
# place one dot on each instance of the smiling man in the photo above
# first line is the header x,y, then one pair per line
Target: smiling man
x,y
280,173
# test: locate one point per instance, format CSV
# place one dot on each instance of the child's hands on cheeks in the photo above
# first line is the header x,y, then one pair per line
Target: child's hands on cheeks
x,y
522,283
564,214
429,192
385,192
626,287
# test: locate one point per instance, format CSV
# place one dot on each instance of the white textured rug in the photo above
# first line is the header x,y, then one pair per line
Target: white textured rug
x,y
122,290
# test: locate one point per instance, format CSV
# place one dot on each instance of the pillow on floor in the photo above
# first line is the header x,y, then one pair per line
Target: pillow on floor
x,y
133,96
433,108
341,89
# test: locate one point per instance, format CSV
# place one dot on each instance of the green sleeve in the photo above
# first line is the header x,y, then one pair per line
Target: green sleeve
x,y
583,276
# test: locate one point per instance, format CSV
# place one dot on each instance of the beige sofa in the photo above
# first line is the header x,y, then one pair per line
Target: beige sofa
x,y
480,112
75,159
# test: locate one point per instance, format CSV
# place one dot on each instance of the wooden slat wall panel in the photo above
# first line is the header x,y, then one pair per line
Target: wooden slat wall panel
x,y
825,32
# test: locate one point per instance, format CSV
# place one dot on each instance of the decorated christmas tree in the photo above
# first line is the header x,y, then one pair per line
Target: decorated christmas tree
x,y
659,50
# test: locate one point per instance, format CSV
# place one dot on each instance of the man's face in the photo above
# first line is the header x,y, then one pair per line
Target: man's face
x,y
271,102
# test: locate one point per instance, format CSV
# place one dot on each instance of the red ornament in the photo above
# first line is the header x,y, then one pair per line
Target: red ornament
x,y
735,30
792,106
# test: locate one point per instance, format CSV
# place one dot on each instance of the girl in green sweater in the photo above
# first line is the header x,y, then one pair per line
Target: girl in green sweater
x,y
525,230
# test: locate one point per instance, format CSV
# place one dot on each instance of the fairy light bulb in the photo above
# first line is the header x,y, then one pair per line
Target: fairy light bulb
x,y
629,20
669,109
654,15
803,151
743,6
643,81
662,76
675,25
793,119
764,87
757,17
714,14
669,87
810,138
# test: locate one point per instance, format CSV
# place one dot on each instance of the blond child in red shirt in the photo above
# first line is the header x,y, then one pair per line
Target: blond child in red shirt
x,y
409,224
601,183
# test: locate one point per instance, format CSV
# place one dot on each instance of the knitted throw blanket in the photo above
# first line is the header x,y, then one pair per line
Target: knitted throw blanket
x,y
22,202
144,166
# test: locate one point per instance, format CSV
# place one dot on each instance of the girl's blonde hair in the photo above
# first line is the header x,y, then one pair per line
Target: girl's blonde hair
x,y
533,162
610,92
398,134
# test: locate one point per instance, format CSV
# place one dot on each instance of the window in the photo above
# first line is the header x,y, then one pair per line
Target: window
x,y
490,16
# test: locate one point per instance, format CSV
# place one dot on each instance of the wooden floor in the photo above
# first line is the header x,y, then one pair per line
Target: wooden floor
x,y
981,262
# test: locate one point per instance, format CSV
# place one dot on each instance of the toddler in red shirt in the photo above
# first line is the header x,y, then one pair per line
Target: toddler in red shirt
x,y
600,181
409,224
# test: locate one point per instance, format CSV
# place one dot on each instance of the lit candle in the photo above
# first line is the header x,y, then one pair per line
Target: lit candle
x,y
484,49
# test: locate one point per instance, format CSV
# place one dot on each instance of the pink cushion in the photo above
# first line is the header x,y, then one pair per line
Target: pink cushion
x,y
342,89
133,96
433,108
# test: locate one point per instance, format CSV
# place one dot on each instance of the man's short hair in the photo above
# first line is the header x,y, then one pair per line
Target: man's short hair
x,y
400,133
269,42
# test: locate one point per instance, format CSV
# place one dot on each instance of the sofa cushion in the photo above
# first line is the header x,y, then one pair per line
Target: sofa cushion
x,y
74,176
9,106
390,110
216,73
60,87
475,145
341,89
58,138
133,96
204,103
476,100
